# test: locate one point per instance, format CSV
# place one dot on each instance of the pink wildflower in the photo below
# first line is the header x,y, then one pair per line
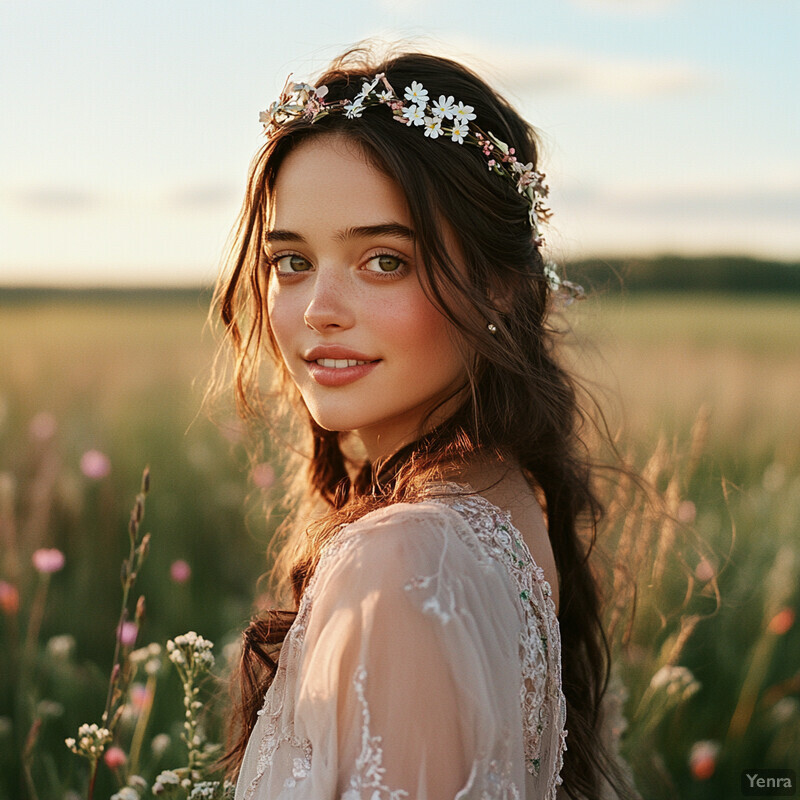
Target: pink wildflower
x,y
233,430
704,571
141,696
263,475
43,426
48,560
95,465
9,598
782,621
687,512
127,633
115,757
180,571
703,759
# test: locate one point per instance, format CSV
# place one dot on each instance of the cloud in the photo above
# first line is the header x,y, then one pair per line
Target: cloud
x,y
598,75
570,70
53,199
629,7
202,197
406,6
774,202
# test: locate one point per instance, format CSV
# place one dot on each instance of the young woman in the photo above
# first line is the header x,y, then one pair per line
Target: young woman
x,y
441,636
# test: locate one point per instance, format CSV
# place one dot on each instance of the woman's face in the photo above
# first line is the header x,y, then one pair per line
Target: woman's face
x,y
344,289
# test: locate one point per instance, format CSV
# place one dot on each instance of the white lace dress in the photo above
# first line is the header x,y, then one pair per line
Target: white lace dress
x,y
424,663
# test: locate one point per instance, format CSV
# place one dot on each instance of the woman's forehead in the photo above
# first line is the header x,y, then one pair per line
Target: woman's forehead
x,y
332,181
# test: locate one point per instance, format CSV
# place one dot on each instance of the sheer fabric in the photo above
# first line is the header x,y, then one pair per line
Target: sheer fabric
x,y
424,662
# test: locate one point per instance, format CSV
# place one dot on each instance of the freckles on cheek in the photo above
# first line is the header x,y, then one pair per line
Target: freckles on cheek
x,y
413,325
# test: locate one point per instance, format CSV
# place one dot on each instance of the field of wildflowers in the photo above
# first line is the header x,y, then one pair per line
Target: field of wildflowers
x,y
112,679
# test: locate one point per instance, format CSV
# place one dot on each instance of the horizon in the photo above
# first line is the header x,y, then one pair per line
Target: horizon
x,y
613,263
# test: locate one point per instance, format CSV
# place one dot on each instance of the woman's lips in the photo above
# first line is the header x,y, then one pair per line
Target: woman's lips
x,y
339,376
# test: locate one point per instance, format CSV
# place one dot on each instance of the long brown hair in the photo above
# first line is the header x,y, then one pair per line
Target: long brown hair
x,y
519,405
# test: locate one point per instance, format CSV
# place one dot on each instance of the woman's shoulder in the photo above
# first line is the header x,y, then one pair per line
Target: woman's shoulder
x,y
404,538
396,530
403,518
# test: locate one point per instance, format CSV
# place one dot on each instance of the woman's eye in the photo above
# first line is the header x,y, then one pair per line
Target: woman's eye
x,y
385,263
291,263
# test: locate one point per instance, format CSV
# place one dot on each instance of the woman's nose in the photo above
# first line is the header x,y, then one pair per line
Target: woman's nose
x,y
330,303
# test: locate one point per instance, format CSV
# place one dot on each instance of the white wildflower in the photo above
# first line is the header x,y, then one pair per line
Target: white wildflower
x,y
444,107
354,109
91,741
204,789
137,781
463,113
433,127
460,130
153,666
785,709
167,778
126,793
675,680
160,744
61,647
414,114
139,656
416,93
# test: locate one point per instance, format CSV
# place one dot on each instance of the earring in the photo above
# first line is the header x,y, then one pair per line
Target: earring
x,y
492,328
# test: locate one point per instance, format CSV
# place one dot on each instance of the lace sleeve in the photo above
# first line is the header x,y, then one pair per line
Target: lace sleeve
x,y
409,679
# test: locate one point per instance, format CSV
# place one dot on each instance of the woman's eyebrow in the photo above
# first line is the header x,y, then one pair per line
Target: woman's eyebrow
x,y
394,229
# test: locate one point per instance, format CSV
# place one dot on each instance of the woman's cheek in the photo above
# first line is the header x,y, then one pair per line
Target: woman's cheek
x,y
281,316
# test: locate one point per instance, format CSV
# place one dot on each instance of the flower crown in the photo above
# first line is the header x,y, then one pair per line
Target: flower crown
x,y
444,117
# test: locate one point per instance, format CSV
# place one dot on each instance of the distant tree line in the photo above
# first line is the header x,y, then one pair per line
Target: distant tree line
x,y
668,273
33,295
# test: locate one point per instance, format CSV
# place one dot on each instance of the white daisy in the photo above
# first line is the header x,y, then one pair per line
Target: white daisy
x,y
385,96
443,107
462,112
433,127
414,114
460,130
416,93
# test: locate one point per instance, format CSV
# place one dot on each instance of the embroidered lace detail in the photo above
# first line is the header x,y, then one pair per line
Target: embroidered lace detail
x,y
492,778
275,733
369,764
540,638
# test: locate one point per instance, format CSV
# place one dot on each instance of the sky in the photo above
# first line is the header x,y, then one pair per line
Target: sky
x,y
127,127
